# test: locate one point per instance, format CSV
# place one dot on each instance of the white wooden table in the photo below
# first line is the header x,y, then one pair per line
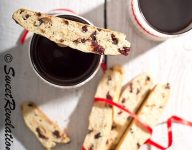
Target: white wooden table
x,y
169,61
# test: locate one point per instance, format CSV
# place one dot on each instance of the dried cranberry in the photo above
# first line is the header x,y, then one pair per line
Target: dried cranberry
x,y
113,127
84,28
98,48
124,50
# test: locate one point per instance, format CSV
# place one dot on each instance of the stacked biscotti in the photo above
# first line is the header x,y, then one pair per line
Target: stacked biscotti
x,y
101,118
116,129
64,32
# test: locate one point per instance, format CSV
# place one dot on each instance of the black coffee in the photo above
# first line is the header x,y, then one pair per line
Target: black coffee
x,y
62,65
168,16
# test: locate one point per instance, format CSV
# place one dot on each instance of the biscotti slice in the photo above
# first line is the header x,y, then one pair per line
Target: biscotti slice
x,y
131,97
100,119
46,131
150,112
86,38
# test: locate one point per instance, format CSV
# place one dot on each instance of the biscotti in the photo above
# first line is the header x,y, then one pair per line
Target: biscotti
x,y
150,112
131,97
46,131
86,38
100,119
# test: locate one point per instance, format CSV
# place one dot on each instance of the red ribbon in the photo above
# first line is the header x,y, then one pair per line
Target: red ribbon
x,y
103,66
25,32
169,122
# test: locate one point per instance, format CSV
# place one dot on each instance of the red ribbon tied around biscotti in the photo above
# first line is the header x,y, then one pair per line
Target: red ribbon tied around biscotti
x,y
169,122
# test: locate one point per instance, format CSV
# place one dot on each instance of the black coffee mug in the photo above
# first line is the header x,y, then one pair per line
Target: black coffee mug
x,y
63,67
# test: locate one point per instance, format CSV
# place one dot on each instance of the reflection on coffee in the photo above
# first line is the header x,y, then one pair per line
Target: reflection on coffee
x,y
169,16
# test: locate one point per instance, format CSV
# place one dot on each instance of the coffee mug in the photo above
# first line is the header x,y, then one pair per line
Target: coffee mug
x,y
62,67
161,19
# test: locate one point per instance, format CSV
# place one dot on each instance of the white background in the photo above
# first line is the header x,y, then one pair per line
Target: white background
x,y
169,61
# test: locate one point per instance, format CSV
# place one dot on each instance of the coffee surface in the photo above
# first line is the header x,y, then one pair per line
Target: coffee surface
x,y
168,16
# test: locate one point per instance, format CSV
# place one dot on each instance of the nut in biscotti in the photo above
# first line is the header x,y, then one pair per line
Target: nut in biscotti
x,y
83,37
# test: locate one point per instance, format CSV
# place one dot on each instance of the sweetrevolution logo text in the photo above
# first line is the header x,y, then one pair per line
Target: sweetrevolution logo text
x,y
9,102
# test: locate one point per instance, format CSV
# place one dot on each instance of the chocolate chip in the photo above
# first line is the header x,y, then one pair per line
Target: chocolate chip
x,y
66,22
123,100
113,127
25,17
138,145
98,29
148,78
109,78
120,112
21,11
90,131
107,142
124,51
84,28
131,130
160,107
93,36
77,41
38,23
61,40
38,14
45,20
30,105
114,39
167,86
128,118
43,31
98,135
91,147
138,91
83,40
130,87
108,96
40,134
56,134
